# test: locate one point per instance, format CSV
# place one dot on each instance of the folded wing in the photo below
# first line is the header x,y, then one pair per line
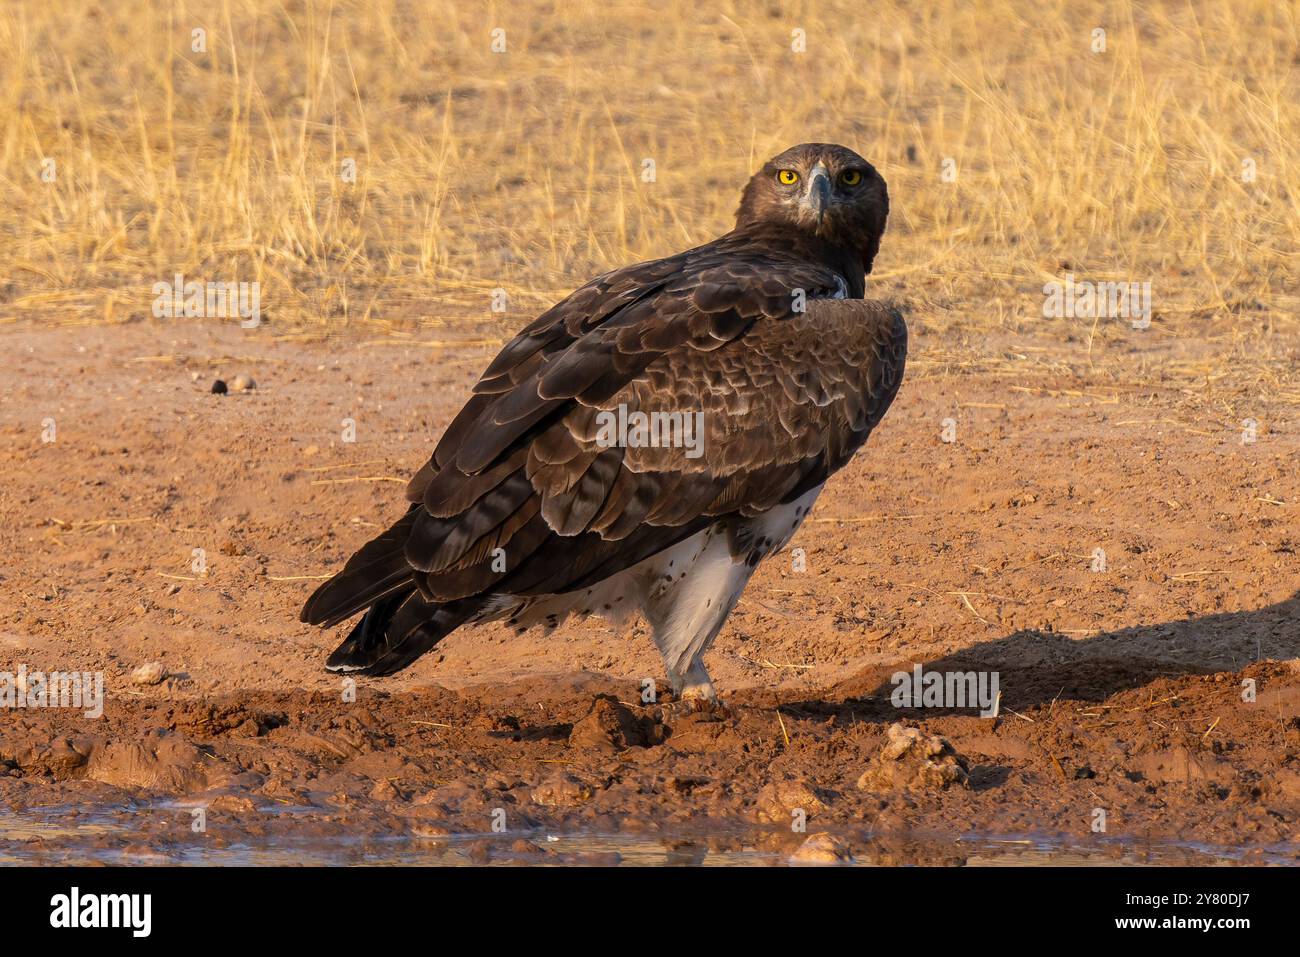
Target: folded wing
x,y
524,495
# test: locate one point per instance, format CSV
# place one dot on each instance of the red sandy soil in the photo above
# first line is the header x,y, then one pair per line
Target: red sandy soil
x,y
1121,689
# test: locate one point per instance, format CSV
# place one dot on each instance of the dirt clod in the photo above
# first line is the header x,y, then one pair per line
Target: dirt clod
x,y
913,760
822,848
780,800
149,673
611,725
163,760
562,789
1178,765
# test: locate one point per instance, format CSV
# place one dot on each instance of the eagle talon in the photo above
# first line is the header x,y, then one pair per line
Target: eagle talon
x,y
708,708
715,708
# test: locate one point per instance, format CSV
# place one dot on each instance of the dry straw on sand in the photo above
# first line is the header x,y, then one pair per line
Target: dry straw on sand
x,y
525,170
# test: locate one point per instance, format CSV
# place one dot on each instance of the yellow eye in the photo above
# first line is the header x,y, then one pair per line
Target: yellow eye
x,y
787,177
851,177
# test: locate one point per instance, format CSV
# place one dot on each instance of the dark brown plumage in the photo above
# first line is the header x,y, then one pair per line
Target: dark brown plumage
x,y
522,513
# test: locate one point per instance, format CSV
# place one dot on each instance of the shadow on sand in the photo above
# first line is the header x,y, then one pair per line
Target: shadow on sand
x,y
1037,667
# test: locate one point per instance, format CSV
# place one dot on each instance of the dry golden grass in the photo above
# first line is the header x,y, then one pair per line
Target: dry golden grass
x,y
522,170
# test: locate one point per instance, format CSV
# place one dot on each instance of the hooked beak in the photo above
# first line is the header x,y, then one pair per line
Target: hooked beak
x,y
819,191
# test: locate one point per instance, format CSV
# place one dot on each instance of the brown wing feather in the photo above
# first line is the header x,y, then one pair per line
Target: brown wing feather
x,y
783,407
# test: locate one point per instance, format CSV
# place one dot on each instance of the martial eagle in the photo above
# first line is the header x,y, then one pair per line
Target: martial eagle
x,y
527,512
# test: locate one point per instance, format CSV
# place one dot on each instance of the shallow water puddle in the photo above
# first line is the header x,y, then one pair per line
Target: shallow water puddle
x,y
67,836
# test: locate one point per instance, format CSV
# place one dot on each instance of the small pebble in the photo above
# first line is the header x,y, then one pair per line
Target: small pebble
x,y
219,388
150,673
242,383
822,848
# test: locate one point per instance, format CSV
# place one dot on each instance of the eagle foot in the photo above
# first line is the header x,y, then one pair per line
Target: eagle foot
x,y
706,709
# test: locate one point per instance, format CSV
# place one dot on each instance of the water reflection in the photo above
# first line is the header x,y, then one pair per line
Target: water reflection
x,y
69,837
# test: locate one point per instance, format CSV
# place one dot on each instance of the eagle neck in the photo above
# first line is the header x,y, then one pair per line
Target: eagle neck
x,y
810,248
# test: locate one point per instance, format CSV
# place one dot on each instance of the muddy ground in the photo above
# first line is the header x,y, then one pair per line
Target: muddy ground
x,y
1122,687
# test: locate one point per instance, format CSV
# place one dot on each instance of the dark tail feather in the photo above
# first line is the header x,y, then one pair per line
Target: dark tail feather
x,y
396,631
377,571
366,634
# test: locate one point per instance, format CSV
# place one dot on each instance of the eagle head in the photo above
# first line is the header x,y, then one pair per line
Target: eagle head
x,y
823,189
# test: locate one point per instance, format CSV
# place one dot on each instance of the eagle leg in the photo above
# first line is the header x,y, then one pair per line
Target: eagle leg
x,y
703,582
